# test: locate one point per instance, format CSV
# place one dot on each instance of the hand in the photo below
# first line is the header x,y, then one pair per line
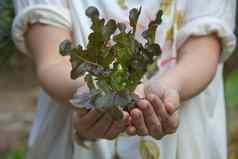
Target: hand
x,y
91,124
156,115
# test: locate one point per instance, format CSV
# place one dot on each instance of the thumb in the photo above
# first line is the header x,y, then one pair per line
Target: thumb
x,y
171,100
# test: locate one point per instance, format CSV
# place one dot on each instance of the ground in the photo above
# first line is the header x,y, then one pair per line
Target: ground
x,y
18,92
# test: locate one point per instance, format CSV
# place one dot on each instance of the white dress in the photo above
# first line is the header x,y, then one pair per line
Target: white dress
x,y
202,130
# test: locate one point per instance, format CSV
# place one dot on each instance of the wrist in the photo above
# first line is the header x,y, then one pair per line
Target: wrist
x,y
172,80
168,87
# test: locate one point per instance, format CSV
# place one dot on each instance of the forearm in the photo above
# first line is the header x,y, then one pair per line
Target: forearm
x,y
196,66
55,79
53,70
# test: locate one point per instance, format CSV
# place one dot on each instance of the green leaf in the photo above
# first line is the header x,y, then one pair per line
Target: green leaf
x,y
104,86
104,101
109,29
84,100
77,72
108,56
116,113
133,18
92,12
122,38
121,27
151,70
150,33
118,80
158,18
113,72
120,101
90,82
66,47
153,50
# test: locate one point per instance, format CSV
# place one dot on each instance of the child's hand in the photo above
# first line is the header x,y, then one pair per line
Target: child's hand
x,y
90,124
156,115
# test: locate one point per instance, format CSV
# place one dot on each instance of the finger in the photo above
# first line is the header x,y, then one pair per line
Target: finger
x,y
170,109
172,124
158,107
169,122
172,101
131,130
138,122
101,127
114,131
151,119
90,118
117,127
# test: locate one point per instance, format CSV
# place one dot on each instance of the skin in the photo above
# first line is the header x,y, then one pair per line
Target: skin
x,y
156,115
53,72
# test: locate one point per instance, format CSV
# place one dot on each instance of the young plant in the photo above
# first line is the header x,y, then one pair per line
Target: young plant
x,y
113,73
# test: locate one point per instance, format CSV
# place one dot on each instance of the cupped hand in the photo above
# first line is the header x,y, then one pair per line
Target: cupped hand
x,y
92,124
156,115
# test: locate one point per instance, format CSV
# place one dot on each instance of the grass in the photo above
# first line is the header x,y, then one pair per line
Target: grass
x,y
17,154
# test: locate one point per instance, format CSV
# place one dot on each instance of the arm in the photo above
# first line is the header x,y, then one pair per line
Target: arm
x,y
197,64
51,24
53,70
196,67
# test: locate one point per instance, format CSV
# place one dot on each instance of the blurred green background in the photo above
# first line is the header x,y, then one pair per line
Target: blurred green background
x,y
15,69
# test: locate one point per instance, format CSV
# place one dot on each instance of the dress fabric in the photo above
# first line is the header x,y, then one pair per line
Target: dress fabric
x,y
202,130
